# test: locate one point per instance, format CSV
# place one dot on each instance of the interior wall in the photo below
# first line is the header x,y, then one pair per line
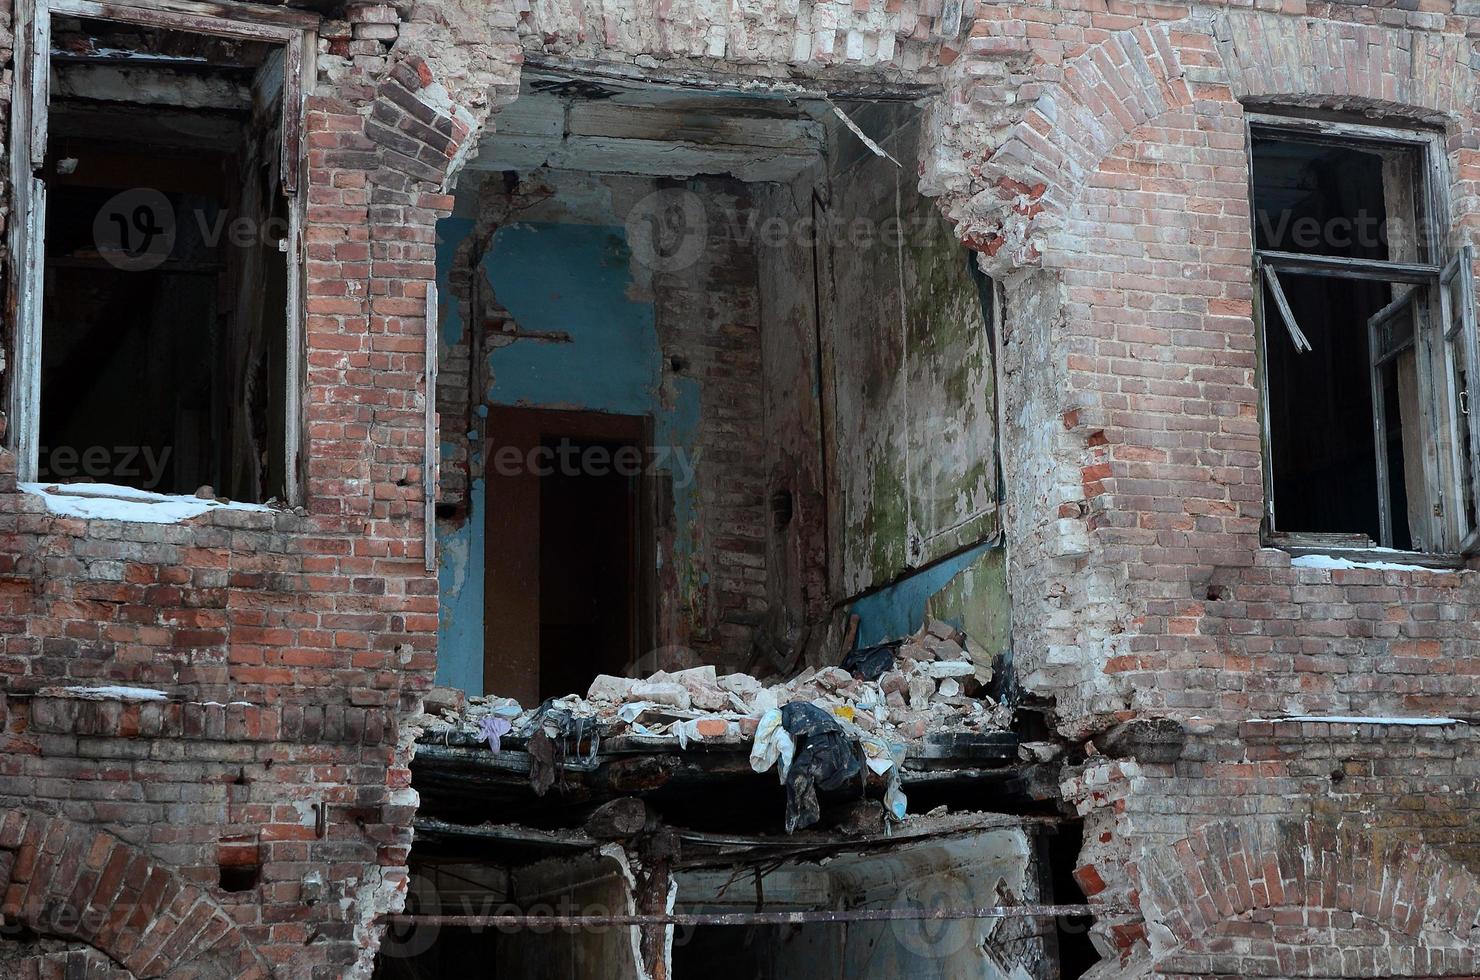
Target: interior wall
x,y
791,252
912,365
584,886
560,297
995,867
814,354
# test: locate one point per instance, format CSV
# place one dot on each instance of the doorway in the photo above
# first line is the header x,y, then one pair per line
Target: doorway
x,y
568,544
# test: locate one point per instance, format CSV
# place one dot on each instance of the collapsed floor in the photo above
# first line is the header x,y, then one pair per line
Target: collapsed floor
x,y
878,784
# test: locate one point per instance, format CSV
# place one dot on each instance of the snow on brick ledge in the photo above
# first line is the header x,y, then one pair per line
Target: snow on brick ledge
x,y
106,502
107,693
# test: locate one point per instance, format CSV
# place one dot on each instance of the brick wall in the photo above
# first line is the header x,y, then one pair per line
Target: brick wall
x,y
1140,586
288,646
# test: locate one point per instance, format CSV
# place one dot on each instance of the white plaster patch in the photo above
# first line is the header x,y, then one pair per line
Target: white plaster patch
x,y
117,693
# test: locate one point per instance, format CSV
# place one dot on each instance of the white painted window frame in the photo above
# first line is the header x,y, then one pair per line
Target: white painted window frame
x,y
1438,325
296,32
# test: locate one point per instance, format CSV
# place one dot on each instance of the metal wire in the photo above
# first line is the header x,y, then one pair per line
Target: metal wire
x,y
751,918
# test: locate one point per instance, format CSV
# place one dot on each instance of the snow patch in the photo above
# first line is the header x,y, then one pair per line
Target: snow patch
x,y
118,693
106,502
1331,562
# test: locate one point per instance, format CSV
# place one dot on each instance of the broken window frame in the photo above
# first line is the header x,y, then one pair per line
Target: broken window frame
x,y
1441,403
295,31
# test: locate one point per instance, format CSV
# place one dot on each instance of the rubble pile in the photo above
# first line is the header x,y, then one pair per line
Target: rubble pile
x,y
934,681
879,702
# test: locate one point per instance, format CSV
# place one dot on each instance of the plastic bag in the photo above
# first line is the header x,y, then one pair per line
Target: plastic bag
x,y
825,759
871,663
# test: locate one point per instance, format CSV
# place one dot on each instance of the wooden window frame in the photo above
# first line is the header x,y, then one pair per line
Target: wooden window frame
x,y
296,32
1432,337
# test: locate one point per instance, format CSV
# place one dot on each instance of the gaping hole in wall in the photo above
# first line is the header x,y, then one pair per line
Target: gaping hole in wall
x,y
717,394
165,294
1061,847
1350,201
758,291
950,867
239,862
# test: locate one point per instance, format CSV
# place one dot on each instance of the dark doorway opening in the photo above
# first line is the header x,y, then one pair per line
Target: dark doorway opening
x,y
588,564
568,539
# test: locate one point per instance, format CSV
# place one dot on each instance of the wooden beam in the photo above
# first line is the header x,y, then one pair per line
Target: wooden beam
x,y
1344,268
27,231
1273,126
220,17
1296,334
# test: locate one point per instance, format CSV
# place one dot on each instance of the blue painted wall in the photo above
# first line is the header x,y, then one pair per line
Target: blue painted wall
x,y
898,609
574,280
459,576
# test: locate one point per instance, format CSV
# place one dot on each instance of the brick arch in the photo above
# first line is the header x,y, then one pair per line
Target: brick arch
x,y
1036,174
417,131
71,881
1331,64
1251,870
1038,170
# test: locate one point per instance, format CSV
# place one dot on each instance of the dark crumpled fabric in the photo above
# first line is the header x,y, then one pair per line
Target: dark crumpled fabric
x,y
556,735
825,758
544,759
871,663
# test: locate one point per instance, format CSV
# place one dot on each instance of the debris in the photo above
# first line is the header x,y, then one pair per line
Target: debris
x,y
772,745
922,695
662,692
624,817
541,763
608,688
861,818
1038,751
445,699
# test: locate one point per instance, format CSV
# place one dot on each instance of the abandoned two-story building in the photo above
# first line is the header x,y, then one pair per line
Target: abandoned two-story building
x,y
458,455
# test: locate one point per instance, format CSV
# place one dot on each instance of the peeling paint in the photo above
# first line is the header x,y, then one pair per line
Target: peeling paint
x,y
572,279
460,583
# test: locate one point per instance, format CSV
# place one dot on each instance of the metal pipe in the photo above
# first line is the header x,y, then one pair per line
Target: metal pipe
x,y
751,918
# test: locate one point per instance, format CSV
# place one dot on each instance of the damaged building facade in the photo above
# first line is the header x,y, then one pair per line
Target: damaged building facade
x,y
459,454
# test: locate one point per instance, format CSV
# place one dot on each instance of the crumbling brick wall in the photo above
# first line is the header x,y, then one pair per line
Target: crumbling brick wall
x,y
1115,208
288,646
